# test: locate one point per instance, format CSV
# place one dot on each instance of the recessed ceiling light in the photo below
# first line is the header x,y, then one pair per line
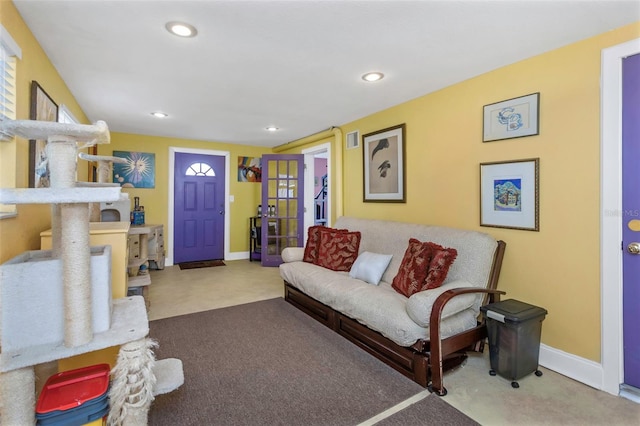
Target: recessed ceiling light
x,y
272,128
373,76
181,29
159,114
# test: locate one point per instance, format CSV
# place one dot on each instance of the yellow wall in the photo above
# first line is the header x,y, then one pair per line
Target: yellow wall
x,y
558,267
23,232
155,201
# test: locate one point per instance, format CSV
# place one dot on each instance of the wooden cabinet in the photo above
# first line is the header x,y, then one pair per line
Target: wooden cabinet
x,y
114,234
155,252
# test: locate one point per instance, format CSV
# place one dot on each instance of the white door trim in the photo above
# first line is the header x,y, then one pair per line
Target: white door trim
x,y
309,205
227,221
611,214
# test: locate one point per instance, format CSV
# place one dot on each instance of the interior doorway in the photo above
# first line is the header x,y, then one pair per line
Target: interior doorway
x,y
317,181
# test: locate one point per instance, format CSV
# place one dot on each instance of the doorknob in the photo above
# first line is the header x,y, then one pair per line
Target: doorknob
x,y
634,248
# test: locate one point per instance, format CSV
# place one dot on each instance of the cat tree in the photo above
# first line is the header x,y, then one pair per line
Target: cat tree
x,y
104,171
56,303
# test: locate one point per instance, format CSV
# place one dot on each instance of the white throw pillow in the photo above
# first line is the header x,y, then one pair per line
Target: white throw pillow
x,y
369,267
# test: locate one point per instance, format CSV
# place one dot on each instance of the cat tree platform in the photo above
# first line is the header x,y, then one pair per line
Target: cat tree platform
x,y
74,195
128,323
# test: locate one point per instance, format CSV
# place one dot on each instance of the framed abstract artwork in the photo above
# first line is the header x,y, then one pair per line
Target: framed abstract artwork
x,y
249,169
42,108
138,172
509,194
513,118
384,174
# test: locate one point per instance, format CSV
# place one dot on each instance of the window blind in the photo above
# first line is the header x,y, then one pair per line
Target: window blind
x,y
9,50
7,87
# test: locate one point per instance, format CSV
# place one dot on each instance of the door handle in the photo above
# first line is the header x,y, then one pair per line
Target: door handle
x,y
634,248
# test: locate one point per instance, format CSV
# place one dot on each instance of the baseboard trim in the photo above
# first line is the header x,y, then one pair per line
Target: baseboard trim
x,y
583,370
237,255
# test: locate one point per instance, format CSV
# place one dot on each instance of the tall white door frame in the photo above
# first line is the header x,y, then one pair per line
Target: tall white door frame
x,y
309,204
227,220
611,214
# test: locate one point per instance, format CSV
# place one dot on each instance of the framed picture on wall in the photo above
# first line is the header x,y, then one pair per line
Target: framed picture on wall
x,y
42,108
509,194
383,156
513,118
138,172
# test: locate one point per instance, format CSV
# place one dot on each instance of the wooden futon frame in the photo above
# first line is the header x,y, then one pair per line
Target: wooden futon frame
x,y
425,361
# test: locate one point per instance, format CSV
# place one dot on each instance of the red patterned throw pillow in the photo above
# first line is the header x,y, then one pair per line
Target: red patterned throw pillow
x,y
313,242
424,266
338,250
413,269
439,265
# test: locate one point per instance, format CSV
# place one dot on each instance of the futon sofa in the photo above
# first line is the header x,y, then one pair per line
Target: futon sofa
x,y
421,335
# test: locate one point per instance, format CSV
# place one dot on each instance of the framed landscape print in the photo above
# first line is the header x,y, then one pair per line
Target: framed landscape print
x,y
383,156
509,195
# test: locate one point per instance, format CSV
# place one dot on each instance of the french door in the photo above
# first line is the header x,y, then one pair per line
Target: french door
x,y
282,205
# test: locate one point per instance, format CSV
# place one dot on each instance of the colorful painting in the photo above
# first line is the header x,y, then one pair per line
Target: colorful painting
x,y
138,172
507,195
249,169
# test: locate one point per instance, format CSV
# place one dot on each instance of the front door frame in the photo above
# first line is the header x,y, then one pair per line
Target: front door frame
x,y
611,214
227,217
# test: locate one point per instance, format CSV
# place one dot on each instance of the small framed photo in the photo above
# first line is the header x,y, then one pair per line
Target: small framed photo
x,y
509,194
513,118
383,156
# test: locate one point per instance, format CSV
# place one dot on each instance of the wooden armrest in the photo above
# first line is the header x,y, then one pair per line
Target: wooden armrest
x,y
444,298
435,342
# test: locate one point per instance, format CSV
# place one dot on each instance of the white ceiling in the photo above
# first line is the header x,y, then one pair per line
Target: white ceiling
x,y
292,64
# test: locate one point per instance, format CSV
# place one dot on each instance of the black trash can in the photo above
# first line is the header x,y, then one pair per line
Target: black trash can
x,y
514,330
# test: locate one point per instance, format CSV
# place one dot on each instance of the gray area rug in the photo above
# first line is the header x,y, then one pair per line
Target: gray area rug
x,y
267,363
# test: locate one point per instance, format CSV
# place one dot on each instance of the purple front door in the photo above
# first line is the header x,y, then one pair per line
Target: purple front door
x,y
199,186
631,217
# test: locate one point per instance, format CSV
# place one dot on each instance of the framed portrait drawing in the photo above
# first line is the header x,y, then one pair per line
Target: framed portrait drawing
x,y
513,118
45,109
509,194
384,172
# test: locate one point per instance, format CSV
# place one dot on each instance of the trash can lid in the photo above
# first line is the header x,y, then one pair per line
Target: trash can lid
x,y
515,310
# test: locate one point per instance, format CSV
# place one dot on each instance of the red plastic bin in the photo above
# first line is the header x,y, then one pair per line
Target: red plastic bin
x,y
70,389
